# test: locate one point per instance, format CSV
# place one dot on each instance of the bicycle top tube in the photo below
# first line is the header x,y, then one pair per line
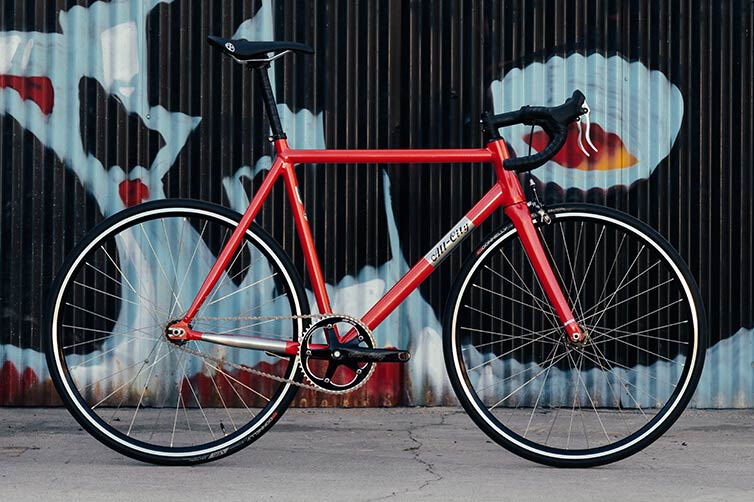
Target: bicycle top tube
x,y
385,156
554,120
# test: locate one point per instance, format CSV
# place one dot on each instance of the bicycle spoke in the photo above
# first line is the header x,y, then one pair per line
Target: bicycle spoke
x,y
551,361
511,299
246,327
218,324
106,333
634,346
222,401
112,375
143,391
228,377
649,330
624,383
199,241
612,297
523,385
541,302
660,309
170,251
614,305
186,379
481,390
226,276
100,355
77,307
591,401
145,362
527,331
239,290
106,293
503,338
556,267
148,304
159,264
577,307
606,372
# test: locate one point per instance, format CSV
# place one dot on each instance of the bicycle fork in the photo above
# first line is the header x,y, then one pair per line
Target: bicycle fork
x,y
516,207
521,217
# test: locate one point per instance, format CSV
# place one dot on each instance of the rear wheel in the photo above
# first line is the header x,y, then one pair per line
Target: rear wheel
x,y
118,374
576,404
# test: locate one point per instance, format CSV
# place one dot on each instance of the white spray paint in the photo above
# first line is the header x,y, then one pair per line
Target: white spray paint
x,y
106,42
639,105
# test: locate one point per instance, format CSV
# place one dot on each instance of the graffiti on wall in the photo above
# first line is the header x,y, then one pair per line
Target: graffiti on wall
x,y
107,43
42,72
632,134
41,91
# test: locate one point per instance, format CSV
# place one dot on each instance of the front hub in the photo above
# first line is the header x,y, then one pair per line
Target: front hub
x,y
576,334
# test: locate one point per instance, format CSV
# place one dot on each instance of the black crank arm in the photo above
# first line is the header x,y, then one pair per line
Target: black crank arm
x,y
360,355
367,355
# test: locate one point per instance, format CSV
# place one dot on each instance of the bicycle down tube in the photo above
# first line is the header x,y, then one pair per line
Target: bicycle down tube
x,y
506,192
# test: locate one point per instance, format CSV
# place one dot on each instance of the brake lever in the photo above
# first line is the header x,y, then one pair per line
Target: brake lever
x,y
588,134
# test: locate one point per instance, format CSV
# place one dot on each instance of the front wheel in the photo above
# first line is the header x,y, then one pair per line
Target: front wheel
x,y
130,386
569,404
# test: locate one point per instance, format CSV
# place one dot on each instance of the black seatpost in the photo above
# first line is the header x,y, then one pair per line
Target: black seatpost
x,y
269,102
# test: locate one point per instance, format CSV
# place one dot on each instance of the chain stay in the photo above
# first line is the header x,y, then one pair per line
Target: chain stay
x,y
256,372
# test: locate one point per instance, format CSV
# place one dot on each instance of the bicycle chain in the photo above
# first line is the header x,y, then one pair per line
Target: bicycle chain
x,y
263,373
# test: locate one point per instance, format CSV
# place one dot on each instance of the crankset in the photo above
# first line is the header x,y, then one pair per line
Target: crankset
x,y
338,354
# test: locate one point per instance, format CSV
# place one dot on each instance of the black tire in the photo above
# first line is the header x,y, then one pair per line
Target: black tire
x,y
558,403
117,373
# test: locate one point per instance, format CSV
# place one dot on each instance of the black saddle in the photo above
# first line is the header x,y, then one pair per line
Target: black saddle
x,y
244,50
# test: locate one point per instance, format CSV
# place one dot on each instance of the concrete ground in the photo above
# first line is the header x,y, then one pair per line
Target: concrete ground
x,y
374,454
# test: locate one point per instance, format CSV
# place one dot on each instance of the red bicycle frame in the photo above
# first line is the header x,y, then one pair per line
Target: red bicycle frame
x,y
506,192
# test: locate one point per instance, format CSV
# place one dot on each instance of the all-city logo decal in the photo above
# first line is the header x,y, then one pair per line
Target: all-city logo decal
x,y
440,250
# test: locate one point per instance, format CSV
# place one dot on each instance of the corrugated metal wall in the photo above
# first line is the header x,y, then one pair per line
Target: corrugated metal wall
x,y
106,104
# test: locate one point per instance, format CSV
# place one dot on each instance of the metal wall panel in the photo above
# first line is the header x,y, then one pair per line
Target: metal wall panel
x,y
106,104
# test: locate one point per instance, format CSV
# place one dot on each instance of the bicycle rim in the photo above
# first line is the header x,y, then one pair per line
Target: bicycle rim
x,y
112,364
567,404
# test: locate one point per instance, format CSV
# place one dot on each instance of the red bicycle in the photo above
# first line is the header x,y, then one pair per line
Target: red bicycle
x,y
179,331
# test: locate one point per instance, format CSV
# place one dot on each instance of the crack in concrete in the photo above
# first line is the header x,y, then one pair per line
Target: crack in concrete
x,y
416,450
428,466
